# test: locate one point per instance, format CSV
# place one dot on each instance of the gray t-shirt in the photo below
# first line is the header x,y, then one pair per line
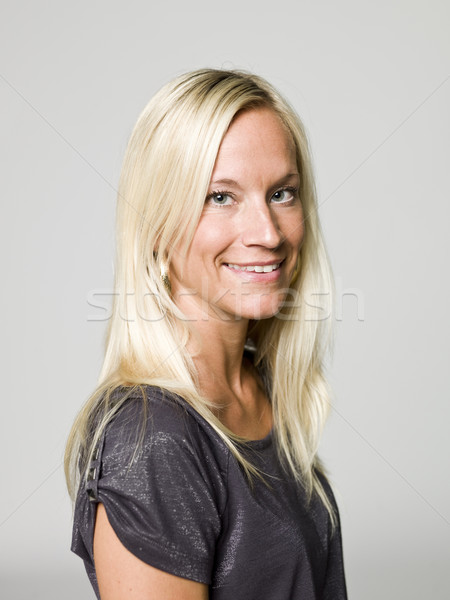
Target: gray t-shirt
x,y
183,504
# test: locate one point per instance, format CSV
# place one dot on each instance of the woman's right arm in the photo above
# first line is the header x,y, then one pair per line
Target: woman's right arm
x,y
123,576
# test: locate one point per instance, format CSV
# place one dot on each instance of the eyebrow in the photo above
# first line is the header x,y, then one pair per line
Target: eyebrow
x,y
232,182
225,181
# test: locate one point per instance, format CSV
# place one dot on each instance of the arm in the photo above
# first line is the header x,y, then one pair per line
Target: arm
x,y
123,576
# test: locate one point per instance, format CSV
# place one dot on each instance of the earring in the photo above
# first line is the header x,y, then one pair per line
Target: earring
x,y
297,270
164,273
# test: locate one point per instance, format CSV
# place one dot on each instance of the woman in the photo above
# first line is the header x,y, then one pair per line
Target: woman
x,y
197,453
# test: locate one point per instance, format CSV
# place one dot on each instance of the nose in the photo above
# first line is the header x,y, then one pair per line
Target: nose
x,y
260,227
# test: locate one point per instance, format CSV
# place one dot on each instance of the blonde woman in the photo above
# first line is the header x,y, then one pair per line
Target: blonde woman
x,y
194,464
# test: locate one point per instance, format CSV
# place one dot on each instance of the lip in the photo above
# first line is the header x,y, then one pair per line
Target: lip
x,y
257,263
254,276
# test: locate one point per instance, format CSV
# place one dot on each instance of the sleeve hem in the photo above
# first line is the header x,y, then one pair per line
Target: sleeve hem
x,y
170,560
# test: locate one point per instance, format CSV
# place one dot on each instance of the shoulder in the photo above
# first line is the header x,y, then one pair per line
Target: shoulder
x,y
150,414
157,432
161,473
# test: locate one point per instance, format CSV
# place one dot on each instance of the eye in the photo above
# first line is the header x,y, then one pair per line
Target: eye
x,y
285,195
219,199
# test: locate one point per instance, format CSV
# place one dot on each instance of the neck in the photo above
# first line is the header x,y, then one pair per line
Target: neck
x,y
217,348
225,377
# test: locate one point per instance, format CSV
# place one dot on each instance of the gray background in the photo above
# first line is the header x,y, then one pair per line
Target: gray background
x,y
371,81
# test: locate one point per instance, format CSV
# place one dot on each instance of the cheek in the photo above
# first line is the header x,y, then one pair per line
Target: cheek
x,y
301,235
294,232
213,236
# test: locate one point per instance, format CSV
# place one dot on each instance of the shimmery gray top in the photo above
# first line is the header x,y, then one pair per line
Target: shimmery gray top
x,y
183,505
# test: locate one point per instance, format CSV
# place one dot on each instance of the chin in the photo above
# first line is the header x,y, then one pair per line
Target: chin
x,y
257,311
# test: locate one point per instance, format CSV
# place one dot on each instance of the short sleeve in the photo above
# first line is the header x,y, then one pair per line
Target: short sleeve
x,y
163,488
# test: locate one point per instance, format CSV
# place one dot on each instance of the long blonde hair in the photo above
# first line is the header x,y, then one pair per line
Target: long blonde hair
x,y
163,185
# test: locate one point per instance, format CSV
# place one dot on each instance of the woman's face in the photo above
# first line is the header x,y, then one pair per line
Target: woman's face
x,y
245,248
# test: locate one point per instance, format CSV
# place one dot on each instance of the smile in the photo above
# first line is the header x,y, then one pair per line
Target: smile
x,y
256,268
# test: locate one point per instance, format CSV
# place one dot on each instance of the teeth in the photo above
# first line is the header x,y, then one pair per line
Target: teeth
x,y
256,268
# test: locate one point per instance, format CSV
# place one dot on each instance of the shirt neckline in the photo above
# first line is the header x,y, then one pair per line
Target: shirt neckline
x,y
262,443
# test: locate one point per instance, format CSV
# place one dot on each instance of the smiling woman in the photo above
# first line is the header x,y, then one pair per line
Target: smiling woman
x,y
194,463
245,248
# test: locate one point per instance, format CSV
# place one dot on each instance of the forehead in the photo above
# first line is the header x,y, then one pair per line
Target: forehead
x,y
258,139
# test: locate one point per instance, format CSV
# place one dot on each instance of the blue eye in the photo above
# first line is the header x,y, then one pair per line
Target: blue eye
x,y
285,195
219,199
